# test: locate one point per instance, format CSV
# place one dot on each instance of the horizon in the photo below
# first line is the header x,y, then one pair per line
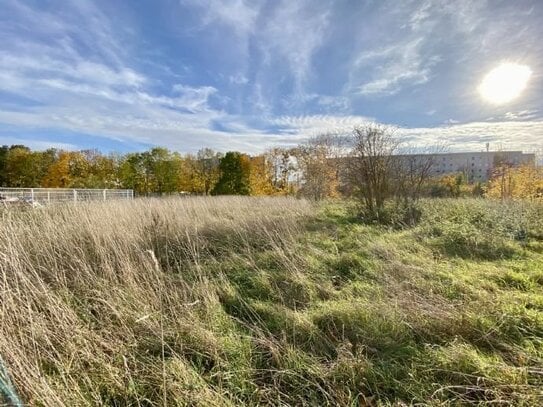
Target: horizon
x,y
246,76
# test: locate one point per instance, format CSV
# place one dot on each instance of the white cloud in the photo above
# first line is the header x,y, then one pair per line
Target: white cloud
x,y
525,135
522,115
394,67
103,92
36,144
294,32
238,79
239,15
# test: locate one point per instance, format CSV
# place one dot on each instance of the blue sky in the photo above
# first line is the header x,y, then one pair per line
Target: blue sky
x,y
246,75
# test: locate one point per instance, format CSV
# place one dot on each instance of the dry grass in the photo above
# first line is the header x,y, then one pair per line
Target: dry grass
x,y
100,303
246,301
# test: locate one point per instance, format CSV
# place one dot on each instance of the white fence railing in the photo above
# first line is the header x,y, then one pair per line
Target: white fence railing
x,y
46,196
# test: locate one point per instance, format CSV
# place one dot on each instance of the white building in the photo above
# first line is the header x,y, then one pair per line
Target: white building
x,y
476,166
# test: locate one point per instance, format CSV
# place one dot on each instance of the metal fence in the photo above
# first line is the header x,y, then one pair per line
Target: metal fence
x,y
46,196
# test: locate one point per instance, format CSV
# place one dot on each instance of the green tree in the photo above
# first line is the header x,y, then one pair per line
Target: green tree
x,y
19,167
235,175
4,151
135,173
164,168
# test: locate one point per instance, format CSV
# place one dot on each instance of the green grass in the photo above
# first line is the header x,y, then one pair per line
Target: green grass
x,y
275,302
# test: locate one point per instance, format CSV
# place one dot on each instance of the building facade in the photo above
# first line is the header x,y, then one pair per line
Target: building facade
x,y
476,166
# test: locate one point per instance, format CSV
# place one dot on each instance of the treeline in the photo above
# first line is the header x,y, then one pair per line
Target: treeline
x,y
156,171
363,164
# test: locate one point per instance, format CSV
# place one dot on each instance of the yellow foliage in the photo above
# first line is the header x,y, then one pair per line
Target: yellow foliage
x,y
68,171
524,182
260,179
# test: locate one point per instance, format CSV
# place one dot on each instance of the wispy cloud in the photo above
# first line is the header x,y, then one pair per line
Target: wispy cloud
x,y
293,33
395,67
238,15
267,73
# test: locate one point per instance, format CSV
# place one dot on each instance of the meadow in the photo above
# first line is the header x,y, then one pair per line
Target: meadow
x,y
230,301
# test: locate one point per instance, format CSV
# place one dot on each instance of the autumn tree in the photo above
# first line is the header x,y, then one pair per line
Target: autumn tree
x,y
235,173
525,182
105,171
260,178
450,185
318,161
206,168
187,181
70,170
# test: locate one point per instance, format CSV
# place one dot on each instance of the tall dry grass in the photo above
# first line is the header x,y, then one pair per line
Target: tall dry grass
x,y
245,301
110,303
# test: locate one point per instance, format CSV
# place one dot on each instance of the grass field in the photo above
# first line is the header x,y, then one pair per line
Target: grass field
x,y
246,301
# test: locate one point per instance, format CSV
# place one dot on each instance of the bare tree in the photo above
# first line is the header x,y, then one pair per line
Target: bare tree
x,y
370,166
414,168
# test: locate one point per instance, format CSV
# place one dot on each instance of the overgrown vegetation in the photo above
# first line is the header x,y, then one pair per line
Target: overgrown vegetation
x,y
272,301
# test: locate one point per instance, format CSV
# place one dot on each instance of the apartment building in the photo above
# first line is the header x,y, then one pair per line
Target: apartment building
x,y
476,166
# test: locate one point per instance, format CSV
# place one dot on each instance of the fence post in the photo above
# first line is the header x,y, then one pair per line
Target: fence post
x,y
75,195
32,194
48,197
104,193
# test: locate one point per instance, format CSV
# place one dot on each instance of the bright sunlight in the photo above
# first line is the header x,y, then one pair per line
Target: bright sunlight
x,y
504,83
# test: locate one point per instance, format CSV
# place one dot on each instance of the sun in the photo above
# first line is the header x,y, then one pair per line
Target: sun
x,y
505,83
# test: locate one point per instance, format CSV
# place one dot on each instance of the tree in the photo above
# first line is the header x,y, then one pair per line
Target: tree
x,y
411,173
319,163
24,168
164,169
207,168
105,172
284,169
235,173
525,182
370,166
451,185
135,173
70,170
4,151
187,181
260,177
18,166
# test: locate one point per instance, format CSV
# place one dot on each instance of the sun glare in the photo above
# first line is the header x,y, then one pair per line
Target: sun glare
x,y
504,83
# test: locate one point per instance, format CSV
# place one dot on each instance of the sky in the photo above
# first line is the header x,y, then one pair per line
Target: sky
x,y
247,75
